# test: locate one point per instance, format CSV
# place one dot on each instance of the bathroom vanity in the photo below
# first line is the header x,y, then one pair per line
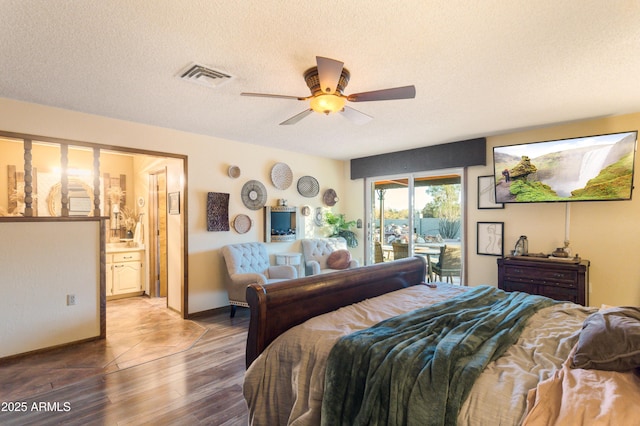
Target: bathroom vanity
x,y
125,271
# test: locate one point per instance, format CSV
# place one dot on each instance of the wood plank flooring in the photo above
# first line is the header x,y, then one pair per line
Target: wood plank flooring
x,y
201,385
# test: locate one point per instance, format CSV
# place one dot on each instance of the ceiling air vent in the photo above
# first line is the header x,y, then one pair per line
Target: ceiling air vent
x,y
205,76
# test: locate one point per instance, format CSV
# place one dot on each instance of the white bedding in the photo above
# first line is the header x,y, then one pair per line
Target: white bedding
x,y
284,385
576,396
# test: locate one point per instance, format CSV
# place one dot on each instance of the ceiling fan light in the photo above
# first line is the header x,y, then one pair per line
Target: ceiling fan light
x,y
327,103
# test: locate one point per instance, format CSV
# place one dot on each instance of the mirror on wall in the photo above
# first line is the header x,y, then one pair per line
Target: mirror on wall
x,y
80,198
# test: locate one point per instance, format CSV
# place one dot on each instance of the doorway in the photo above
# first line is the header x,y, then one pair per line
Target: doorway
x,y
419,214
152,177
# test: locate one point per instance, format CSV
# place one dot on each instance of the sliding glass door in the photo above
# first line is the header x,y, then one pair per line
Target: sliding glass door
x,y
417,214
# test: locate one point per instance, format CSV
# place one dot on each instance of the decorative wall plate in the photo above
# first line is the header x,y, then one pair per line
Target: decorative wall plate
x,y
281,176
242,223
318,217
254,195
308,186
330,197
305,210
234,171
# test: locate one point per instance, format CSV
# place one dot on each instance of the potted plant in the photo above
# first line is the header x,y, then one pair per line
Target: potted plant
x,y
340,227
130,220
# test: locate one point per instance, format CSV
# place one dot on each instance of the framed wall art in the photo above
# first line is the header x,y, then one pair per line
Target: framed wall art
x,y
489,238
487,194
174,203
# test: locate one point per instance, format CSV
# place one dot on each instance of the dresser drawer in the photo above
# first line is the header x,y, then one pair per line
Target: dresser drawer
x,y
523,273
518,286
128,256
558,293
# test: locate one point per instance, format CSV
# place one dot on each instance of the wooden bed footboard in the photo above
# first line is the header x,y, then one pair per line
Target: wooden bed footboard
x,y
275,308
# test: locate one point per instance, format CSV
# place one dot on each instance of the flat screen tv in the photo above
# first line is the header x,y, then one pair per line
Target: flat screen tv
x,y
590,168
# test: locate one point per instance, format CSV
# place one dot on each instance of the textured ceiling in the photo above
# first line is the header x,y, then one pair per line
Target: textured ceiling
x,y
480,67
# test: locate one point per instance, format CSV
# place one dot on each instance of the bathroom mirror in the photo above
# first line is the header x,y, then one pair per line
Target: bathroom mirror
x,y
80,198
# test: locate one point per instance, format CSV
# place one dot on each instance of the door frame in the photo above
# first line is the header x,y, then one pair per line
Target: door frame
x,y
157,237
370,213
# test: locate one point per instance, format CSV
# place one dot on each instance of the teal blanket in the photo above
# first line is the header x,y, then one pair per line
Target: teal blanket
x,y
418,368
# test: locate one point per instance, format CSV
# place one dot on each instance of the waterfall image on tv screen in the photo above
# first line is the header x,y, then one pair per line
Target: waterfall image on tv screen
x,y
591,168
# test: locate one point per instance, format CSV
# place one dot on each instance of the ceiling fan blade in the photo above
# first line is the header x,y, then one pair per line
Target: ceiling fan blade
x,y
267,95
297,117
356,116
329,71
406,92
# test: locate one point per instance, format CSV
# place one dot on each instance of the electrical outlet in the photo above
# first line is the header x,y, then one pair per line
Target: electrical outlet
x,y
71,299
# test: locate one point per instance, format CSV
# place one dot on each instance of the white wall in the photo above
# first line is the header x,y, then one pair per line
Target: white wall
x,y
35,280
208,173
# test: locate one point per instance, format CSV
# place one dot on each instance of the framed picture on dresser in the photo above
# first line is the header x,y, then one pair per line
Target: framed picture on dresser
x,y
489,238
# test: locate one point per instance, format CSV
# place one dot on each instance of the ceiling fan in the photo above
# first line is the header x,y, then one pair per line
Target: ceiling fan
x,y
327,81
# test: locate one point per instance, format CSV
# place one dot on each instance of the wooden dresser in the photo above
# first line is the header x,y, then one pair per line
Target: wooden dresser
x,y
559,280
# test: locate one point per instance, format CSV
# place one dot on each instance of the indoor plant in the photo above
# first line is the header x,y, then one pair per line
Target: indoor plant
x,y
340,227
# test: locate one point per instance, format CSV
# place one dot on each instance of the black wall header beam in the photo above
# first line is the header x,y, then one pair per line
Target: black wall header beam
x,y
472,152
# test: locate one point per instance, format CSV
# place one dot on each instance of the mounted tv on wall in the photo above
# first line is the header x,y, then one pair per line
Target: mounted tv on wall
x,y
590,168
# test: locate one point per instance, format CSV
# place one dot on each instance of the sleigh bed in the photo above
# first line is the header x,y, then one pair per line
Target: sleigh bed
x,y
378,345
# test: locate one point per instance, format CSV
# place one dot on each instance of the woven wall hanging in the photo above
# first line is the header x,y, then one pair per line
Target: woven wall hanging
x,y
217,211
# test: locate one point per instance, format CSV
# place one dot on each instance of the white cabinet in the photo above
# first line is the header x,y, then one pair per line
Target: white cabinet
x,y
124,273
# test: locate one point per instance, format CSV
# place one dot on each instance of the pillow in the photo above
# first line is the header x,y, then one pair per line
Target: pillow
x,y
339,259
610,340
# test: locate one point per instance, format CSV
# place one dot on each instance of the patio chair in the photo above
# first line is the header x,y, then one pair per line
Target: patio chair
x,y
449,264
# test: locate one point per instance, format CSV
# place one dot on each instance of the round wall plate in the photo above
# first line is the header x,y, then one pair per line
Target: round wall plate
x,y
242,223
281,176
330,197
308,186
254,195
234,172
305,210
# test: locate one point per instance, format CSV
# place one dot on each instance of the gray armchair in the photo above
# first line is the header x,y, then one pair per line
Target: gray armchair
x,y
248,263
316,251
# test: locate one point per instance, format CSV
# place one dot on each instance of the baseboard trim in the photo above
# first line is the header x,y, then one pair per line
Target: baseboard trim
x,y
49,348
210,312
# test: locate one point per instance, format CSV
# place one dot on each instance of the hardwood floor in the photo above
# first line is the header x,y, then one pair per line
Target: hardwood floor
x,y
197,385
